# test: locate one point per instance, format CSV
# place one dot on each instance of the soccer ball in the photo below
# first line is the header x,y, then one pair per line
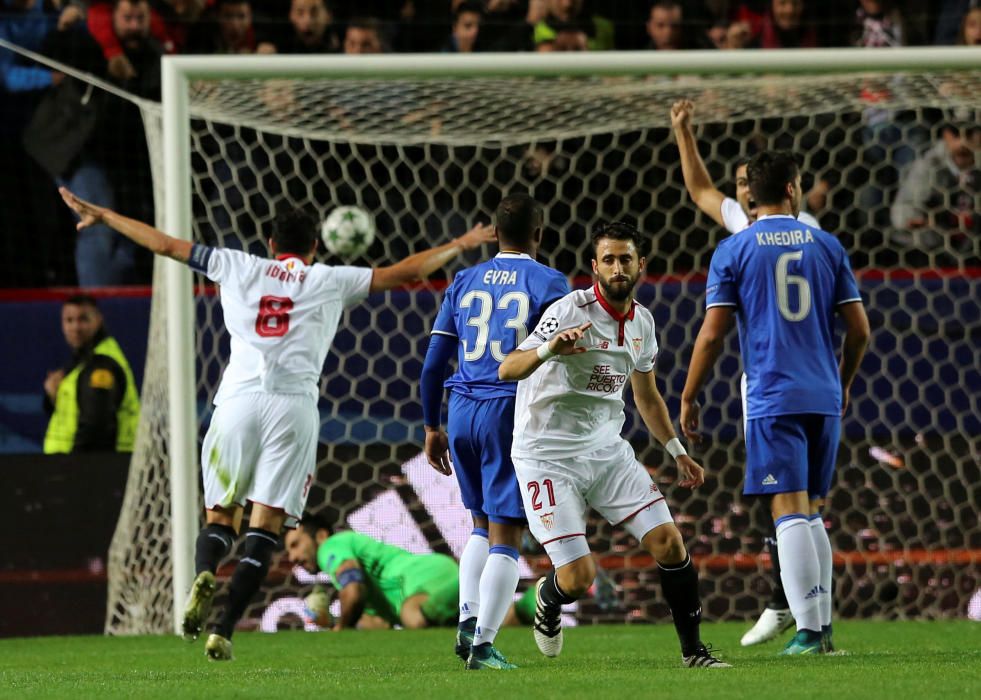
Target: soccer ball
x,y
316,608
348,232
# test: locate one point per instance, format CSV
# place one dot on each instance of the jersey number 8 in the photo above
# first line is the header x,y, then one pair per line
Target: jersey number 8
x,y
273,320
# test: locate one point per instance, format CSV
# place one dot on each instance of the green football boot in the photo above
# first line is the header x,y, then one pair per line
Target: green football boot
x,y
804,642
198,605
486,656
464,638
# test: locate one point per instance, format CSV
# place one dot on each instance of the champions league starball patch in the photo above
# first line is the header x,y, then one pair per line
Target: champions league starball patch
x,y
547,327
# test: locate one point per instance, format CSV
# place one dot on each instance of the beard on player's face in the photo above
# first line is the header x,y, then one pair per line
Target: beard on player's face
x,y
618,286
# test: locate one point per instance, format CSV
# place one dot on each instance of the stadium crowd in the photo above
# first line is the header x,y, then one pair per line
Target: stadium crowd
x,y
57,130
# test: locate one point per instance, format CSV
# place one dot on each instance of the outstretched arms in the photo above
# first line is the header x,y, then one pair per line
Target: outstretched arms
x,y
420,265
142,234
697,181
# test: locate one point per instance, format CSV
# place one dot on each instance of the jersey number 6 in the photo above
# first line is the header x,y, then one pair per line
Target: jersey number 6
x,y
274,319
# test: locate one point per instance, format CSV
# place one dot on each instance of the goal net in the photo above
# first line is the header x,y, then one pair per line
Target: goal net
x,y
429,156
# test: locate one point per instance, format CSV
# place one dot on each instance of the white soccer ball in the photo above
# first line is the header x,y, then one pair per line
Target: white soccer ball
x,y
348,232
316,608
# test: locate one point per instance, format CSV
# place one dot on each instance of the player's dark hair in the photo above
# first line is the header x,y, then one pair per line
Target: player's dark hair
x,y
740,162
467,7
294,231
518,216
619,231
769,173
82,300
313,523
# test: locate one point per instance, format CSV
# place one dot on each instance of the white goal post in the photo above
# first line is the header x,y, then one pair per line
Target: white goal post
x,y
179,72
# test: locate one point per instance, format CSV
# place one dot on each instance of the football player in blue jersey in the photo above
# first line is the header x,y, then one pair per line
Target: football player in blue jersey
x,y
487,311
784,281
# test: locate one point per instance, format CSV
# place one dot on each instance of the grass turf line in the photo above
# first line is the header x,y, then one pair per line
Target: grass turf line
x,y
896,660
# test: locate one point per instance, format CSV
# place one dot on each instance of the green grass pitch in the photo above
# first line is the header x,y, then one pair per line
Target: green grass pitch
x,y
896,660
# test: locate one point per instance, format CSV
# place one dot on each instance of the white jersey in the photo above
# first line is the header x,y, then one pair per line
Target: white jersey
x,y
282,315
573,404
735,219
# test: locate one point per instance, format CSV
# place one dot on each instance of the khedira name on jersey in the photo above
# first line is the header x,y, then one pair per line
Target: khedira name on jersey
x,y
783,237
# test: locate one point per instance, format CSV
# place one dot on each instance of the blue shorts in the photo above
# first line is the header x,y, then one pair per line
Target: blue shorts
x,y
480,444
791,453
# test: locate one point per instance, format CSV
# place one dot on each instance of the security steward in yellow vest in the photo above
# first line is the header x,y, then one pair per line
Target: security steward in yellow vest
x,y
93,402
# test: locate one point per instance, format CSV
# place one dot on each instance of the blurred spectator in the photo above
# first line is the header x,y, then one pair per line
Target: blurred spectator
x,y
664,26
466,27
950,18
566,37
782,26
27,23
669,28
228,29
94,144
311,29
939,197
101,23
93,400
564,13
970,34
878,23
363,35
509,25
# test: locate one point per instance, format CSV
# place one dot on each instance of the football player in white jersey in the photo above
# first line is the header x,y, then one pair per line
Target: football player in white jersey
x,y
735,215
568,452
261,446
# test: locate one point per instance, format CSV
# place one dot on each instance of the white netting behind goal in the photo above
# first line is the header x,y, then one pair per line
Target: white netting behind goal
x,y
428,157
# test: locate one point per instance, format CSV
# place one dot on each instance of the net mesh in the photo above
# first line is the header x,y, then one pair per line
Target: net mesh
x,y
426,158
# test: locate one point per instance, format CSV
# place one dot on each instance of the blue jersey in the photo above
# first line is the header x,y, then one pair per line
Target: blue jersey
x,y
786,280
491,308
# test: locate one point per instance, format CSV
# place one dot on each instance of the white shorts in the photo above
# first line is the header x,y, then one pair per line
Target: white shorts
x,y
557,493
261,448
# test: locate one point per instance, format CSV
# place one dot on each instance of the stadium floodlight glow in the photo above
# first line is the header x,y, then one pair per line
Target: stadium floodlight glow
x,y
182,101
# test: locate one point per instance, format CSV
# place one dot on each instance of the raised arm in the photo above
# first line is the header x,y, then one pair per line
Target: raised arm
x,y
653,410
521,364
142,234
857,334
708,345
697,181
420,265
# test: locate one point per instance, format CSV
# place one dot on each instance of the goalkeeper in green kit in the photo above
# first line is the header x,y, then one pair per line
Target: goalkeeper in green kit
x,y
377,580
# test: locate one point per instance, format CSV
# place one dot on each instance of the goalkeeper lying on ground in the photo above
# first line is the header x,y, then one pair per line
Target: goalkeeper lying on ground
x,y
380,581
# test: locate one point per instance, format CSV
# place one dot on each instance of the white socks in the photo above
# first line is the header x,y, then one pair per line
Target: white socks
x,y
497,586
825,563
800,571
472,563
